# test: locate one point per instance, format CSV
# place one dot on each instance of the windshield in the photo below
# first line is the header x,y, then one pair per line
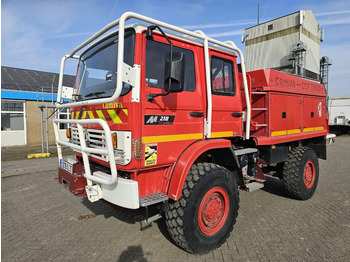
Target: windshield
x,y
97,69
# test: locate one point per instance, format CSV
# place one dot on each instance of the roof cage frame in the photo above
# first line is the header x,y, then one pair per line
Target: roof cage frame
x,y
121,67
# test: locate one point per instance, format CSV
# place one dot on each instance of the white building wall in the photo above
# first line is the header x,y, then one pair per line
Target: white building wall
x,y
13,138
17,135
269,44
269,54
310,35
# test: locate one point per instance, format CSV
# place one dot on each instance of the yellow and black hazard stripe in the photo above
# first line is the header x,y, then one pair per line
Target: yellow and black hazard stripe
x,y
117,116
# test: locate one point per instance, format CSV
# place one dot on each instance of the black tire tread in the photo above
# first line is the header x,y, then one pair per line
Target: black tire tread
x,y
291,174
175,213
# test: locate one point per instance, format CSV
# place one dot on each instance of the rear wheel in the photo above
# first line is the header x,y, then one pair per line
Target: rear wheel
x,y
300,173
202,219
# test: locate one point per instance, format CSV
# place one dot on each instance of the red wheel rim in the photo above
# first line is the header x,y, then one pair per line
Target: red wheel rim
x,y
213,210
309,174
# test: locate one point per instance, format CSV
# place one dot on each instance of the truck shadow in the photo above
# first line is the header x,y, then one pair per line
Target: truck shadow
x,y
109,210
274,186
128,216
133,253
340,130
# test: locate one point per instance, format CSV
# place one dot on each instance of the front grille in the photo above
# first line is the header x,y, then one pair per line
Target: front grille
x,y
95,138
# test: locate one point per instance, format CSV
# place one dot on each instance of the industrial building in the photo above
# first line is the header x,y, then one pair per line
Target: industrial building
x,y
290,44
22,92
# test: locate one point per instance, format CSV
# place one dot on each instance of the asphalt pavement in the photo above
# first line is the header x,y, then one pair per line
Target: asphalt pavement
x,y
42,221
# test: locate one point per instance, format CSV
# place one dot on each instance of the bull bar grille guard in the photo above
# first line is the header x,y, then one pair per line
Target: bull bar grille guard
x,y
86,150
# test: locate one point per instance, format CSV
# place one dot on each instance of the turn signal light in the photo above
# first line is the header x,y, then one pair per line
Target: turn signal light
x,y
68,133
137,147
114,140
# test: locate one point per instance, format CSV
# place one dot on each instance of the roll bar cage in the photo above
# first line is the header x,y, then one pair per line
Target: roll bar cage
x,y
122,67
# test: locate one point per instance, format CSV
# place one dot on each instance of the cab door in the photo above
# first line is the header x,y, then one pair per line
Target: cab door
x,y
226,101
169,122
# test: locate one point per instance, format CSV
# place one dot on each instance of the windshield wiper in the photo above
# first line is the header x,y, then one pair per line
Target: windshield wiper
x,y
77,97
97,94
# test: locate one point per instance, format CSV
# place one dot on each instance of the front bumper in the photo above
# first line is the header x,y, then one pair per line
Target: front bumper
x,y
124,192
93,183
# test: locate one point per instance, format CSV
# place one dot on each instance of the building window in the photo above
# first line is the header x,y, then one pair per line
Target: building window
x,y
12,115
270,27
63,114
222,77
156,54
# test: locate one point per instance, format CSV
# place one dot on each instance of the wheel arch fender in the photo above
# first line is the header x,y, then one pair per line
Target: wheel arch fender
x,y
187,159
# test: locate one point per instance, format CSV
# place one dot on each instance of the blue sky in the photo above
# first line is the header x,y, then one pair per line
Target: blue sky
x,y
36,34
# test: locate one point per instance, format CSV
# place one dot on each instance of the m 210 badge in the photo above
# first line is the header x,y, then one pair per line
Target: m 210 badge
x,y
159,120
151,154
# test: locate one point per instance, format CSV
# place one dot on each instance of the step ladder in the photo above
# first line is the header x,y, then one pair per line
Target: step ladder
x,y
256,111
153,199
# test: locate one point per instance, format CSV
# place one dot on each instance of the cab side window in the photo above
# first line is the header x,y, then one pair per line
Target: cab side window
x,y
156,54
222,77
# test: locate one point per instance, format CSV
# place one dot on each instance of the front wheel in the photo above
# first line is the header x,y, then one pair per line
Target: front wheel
x,y
300,173
203,218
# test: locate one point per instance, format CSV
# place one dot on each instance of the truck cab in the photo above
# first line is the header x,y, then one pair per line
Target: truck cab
x,y
159,112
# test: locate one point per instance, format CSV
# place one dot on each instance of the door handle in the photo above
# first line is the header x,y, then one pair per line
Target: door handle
x,y
237,114
197,114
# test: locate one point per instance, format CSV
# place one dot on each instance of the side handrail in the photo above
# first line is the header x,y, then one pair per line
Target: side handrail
x,y
85,150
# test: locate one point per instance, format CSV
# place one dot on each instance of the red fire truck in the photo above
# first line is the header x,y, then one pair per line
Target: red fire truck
x,y
166,117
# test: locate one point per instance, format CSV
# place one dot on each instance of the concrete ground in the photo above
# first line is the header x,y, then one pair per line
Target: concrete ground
x,y
22,152
42,221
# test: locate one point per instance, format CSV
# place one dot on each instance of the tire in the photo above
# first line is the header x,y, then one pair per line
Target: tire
x,y
203,218
301,173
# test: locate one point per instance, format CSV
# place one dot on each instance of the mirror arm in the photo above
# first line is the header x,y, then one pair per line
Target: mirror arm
x,y
150,97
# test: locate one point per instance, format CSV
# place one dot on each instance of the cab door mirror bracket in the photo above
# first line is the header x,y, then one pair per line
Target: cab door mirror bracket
x,y
174,68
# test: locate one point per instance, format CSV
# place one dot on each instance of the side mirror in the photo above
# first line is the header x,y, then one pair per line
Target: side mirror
x,y
109,75
174,73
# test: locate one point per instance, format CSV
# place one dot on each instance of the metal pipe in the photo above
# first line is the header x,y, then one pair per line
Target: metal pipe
x,y
42,129
121,21
94,36
47,130
85,150
120,63
246,93
59,147
208,84
60,79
